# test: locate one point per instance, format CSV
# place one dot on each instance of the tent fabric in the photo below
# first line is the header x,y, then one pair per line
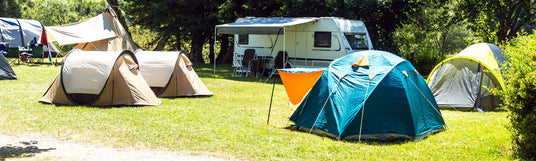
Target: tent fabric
x,y
298,81
100,33
6,72
88,73
93,29
18,32
388,98
124,85
261,25
170,74
462,82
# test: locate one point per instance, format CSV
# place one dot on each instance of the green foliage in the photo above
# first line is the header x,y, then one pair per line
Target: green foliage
x,y
9,8
230,124
54,12
173,21
430,34
520,94
498,20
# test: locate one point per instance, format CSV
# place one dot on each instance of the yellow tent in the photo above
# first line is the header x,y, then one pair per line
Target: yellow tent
x,y
463,82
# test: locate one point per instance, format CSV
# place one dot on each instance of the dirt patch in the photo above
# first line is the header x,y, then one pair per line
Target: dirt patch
x,y
36,147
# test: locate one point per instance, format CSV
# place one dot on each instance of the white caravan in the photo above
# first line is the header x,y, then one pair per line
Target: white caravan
x,y
309,41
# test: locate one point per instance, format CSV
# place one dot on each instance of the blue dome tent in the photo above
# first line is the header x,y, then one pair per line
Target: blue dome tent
x,y
371,95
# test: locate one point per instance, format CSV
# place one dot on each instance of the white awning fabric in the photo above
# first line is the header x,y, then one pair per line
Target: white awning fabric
x,y
261,25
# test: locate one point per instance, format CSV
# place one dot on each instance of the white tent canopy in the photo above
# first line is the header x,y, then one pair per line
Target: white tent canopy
x,y
88,73
93,29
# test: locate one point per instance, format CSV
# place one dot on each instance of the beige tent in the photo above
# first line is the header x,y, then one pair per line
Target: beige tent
x,y
99,78
100,33
170,74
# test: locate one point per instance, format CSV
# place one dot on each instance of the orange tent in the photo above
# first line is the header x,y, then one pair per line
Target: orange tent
x,y
298,81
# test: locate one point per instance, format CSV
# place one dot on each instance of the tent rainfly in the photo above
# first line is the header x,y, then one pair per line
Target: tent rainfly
x,y
170,74
6,72
463,82
100,33
97,78
370,95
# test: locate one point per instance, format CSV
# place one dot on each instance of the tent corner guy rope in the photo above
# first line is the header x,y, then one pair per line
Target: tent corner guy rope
x,y
325,102
427,99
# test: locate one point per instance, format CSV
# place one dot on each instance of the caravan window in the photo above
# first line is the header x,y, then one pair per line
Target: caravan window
x,y
322,39
243,38
356,41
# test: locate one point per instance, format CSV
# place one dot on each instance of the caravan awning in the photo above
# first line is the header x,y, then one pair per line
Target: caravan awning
x,y
261,25
93,29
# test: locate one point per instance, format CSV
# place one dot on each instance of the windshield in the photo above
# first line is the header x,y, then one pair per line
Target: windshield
x,y
356,41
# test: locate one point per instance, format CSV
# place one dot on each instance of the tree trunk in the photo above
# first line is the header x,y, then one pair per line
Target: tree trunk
x,y
211,55
114,4
161,44
196,55
225,55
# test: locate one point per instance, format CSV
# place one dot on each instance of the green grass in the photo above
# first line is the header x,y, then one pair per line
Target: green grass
x,y
231,124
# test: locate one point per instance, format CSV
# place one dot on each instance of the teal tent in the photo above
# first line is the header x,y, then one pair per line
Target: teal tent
x,y
370,95
6,72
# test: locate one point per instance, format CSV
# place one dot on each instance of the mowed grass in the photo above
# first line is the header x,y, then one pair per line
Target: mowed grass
x,y
231,124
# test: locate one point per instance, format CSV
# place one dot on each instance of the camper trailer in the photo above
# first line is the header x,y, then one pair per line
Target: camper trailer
x,y
307,42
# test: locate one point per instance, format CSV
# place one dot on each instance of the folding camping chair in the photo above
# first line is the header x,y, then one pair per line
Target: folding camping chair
x,y
37,55
245,63
13,55
281,60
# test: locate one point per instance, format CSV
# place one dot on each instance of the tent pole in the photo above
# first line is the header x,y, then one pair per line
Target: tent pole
x,y
325,102
479,86
363,111
271,99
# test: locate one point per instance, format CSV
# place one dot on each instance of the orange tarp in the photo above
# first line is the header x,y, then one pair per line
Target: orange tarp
x,y
298,82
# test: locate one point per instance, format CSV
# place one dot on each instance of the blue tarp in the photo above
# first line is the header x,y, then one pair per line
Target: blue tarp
x,y
384,96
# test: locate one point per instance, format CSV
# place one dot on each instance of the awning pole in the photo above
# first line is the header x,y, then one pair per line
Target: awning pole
x,y
284,47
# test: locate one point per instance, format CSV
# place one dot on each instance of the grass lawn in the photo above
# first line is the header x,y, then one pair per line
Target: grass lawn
x,y
231,124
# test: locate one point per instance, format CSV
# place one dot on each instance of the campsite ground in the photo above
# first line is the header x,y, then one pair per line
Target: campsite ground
x,y
39,147
230,124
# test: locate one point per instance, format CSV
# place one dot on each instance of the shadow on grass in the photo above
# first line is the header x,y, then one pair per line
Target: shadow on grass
x,y
381,142
27,149
225,71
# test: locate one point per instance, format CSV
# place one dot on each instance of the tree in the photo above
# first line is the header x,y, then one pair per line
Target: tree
x,y
53,12
430,33
9,8
183,20
499,20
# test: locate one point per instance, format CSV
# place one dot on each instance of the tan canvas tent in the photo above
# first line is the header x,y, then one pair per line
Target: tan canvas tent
x,y
170,74
100,33
98,78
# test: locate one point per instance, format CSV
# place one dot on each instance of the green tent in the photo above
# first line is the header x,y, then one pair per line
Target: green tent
x,y
6,72
463,81
369,95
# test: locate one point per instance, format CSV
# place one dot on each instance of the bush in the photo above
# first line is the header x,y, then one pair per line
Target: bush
x,y
520,94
